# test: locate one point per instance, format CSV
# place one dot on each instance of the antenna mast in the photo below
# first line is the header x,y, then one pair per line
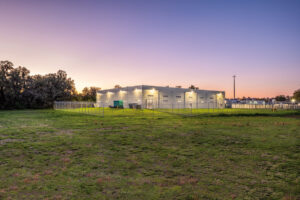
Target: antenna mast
x,y
234,86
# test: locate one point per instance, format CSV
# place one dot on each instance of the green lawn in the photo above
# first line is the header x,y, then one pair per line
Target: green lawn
x,y
109,112
229,154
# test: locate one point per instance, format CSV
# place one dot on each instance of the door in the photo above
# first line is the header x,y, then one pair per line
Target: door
x,y
149,103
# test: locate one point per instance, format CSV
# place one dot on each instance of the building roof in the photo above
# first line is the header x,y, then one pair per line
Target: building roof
x,y
157,87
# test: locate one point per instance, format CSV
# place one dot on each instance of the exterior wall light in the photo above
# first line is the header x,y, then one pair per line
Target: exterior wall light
x,y
137,92
109,93
152,91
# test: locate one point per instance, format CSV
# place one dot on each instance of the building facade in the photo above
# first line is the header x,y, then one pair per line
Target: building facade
x,y
152,97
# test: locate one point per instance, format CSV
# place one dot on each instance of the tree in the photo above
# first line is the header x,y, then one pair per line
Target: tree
x,y
18,84
193,87
5,68
178,86
53,87
13,82
297,95
89,94
20,90
118,86
280,98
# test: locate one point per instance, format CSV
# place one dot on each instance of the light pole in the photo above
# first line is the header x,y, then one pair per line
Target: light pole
x,y
234,86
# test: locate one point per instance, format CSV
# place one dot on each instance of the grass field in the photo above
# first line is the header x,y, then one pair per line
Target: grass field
x,y
110,112
245,154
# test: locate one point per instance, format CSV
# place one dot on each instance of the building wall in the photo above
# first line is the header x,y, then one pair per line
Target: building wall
x,y
171,99
106,98
152,97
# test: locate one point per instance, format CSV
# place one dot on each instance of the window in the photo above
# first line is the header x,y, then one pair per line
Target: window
x,y
190,97
178,97
150,95
165,96
165,101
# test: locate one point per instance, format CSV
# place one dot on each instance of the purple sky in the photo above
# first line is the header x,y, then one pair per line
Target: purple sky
x,y
103,43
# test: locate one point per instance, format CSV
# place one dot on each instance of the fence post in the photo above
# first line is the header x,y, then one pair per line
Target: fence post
x,y
208,106
103,110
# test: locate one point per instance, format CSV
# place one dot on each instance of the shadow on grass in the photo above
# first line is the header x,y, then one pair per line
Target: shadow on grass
x,y
293,114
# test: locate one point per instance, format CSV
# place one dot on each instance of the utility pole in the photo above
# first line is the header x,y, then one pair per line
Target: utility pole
x,y
234,86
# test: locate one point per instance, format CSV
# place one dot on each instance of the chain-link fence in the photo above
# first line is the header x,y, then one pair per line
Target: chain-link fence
x,y
163,110
92,108
283,106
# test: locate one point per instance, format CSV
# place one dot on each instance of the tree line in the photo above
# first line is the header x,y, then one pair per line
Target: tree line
x,y
19,89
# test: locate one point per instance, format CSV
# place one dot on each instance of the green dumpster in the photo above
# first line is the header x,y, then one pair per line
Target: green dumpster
x,y
118,104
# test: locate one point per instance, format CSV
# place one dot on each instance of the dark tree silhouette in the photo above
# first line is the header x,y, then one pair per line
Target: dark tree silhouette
x,y
89,94
297,95
20,90
193,87
280,98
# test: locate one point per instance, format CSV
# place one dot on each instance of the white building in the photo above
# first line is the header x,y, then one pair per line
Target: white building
x,y
161,97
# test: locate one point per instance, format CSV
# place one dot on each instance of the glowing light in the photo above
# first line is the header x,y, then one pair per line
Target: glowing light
x,y
152,91
219,95
109,93
293,100
137,90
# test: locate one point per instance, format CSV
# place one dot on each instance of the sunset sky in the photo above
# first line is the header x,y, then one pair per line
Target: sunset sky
x,y
158,42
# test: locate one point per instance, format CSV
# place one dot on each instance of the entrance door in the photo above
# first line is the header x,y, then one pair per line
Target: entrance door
x,y
149,103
